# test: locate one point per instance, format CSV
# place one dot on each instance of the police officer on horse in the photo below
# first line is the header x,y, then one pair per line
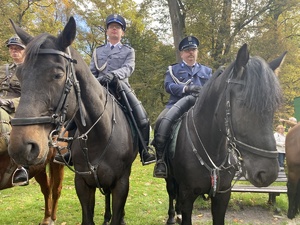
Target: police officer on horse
x,y
183,81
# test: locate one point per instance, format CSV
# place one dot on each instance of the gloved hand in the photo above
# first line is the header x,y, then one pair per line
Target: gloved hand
x,y
192,89
4,102
107,78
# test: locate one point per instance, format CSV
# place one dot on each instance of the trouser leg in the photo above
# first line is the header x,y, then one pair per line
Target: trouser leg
x,y
163,129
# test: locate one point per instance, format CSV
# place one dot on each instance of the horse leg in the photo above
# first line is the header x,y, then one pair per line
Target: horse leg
x,y
293,197
119,196
219,205
56,179
42,180
172,195
186,200
107,214
86,196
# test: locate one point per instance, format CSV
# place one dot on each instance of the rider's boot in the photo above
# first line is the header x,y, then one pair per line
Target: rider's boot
x,y
160,169
20,177
63,159
141,119
146,153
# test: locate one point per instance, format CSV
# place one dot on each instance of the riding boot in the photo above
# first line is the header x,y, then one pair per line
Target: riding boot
x,y
66,158
140,118
146,156
63,159
164,129
20,177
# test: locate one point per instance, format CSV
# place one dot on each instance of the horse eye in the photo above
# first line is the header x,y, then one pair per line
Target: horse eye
x,y
58,76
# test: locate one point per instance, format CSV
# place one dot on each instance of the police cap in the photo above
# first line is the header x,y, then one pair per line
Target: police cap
x,y
115,18
188,42
15,40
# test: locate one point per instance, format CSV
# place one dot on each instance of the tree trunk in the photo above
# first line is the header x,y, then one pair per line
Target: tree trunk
x,y
177,15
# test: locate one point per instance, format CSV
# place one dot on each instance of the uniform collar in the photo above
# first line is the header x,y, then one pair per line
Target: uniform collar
x,y
116,45
184,63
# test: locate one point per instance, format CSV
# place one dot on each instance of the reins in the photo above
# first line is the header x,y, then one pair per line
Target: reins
x,y
231,146
59,117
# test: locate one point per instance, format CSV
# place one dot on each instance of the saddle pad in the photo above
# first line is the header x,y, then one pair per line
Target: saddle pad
x,y
5,129
173,138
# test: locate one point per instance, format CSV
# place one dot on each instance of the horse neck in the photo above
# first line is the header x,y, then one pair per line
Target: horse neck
x,y
95,100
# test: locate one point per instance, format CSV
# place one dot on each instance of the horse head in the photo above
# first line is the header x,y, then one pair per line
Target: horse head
x,y
48,96
252,94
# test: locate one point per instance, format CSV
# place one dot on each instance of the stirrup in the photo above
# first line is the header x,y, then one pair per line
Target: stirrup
x,y
160,175
22,183
152,160
60,159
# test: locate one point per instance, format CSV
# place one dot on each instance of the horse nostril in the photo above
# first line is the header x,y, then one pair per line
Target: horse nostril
x,y
33,151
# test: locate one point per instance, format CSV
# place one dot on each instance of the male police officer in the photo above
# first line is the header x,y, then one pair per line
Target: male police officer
x,y
10,92
183,82
113,63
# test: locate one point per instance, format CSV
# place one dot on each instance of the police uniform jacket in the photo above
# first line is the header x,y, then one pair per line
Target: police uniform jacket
x,y
10,87
120,61
183,75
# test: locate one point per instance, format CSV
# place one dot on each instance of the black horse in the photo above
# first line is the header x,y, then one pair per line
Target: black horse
x,y
57,86
229,129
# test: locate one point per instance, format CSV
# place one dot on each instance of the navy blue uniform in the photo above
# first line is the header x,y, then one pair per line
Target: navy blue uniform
x,y
183,76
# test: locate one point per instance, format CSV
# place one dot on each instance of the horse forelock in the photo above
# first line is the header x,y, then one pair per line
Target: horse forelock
x,y
32,49
262,90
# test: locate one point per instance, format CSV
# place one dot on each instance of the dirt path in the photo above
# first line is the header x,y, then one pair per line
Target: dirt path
x,y
247,215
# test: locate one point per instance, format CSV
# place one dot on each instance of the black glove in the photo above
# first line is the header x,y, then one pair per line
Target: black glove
x,y
107,78
4,102
193,89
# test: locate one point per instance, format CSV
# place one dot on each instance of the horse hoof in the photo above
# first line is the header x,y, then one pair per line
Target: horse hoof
x,y
47,222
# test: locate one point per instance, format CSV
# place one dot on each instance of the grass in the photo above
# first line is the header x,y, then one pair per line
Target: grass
x,y
147,202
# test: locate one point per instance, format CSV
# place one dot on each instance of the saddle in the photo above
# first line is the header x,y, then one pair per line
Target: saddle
x,y
171,144
5,129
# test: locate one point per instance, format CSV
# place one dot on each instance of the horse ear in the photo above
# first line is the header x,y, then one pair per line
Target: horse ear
x,y
24,36
241,61
276,63
67,36
242,57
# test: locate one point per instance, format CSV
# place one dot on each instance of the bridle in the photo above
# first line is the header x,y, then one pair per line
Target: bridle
x,y
58,118
232,142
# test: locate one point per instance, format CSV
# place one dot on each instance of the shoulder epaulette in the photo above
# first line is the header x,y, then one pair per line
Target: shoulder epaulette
x,y
128,46
101,45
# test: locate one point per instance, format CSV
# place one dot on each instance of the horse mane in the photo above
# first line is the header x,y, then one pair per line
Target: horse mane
x,y
33,48
261,90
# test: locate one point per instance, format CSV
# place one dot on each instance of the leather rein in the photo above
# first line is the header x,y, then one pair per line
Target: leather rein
x,y
58,118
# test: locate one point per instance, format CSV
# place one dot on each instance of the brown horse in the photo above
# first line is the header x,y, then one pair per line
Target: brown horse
x,y
50,185
292,148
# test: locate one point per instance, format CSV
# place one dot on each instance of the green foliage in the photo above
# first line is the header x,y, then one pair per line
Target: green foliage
x,y
269,27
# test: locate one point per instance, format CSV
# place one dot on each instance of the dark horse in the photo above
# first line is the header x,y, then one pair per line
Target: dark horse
x,y
292,148
51,183
228,129
57,85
